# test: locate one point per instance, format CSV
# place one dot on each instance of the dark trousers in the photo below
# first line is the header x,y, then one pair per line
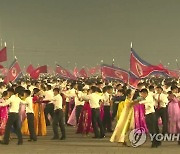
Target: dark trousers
x,y
13,120
96,120
115,108
58,120
151,125
107,118
49,109
30,118
78,112
162,112
67,112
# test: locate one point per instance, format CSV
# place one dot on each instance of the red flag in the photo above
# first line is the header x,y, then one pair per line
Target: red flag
x,y
114,73
141,68
174,73
171,73
13,73
133,80
35,74
1,67
4,71
76,72
50,70
64,73
93,70
30,68
82,73
3,54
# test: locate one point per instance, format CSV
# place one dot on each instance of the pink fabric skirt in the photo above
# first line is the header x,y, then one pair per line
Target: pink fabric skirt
x,y
85,120
139,117
3,119
174,117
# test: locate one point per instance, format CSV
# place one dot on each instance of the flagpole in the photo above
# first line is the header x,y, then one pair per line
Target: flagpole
x,y
13,50
101,68
1,43
113,62
177,64
131,45
5,45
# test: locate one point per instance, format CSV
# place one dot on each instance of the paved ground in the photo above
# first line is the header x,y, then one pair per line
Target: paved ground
x,y
76,143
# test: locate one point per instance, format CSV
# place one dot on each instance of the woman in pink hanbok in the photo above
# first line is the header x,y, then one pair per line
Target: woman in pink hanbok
x,y
173,114
3,114
85,120
139,117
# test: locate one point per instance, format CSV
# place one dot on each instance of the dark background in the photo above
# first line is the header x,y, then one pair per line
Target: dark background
x,y
86,31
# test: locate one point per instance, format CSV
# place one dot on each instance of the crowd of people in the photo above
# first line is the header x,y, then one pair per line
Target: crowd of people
x,y
28,107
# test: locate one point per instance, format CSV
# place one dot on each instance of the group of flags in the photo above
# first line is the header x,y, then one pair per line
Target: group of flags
x,y
138,69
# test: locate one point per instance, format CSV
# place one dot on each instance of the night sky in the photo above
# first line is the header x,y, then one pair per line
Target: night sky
x,y
86,31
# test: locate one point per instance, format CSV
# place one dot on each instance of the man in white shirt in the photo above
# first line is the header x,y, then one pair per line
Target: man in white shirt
x,y
49,109
79,103
94,100
150,114
13,117
30,115
108,90
58,118
161,101
69,92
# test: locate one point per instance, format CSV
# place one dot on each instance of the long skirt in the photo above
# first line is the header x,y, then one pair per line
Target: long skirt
x,y
85,120
124,125
3,119
72,118
174,117
139,117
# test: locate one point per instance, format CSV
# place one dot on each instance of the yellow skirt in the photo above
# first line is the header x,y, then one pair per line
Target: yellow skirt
x,y
39,121
120,109
124,125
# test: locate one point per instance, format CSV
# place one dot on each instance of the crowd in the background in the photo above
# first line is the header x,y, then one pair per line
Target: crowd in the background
x,y
28,107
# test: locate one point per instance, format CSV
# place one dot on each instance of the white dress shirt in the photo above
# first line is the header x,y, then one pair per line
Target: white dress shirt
x,y
13,102
94,99
57,101
31,88
70,93
78,97
107,98
163,100
48,95
149,104
29,105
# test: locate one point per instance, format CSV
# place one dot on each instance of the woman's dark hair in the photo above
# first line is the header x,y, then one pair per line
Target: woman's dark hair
x,y
35,91
105,89
10,90
128,92
169,92
173,87
80,86
4,94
